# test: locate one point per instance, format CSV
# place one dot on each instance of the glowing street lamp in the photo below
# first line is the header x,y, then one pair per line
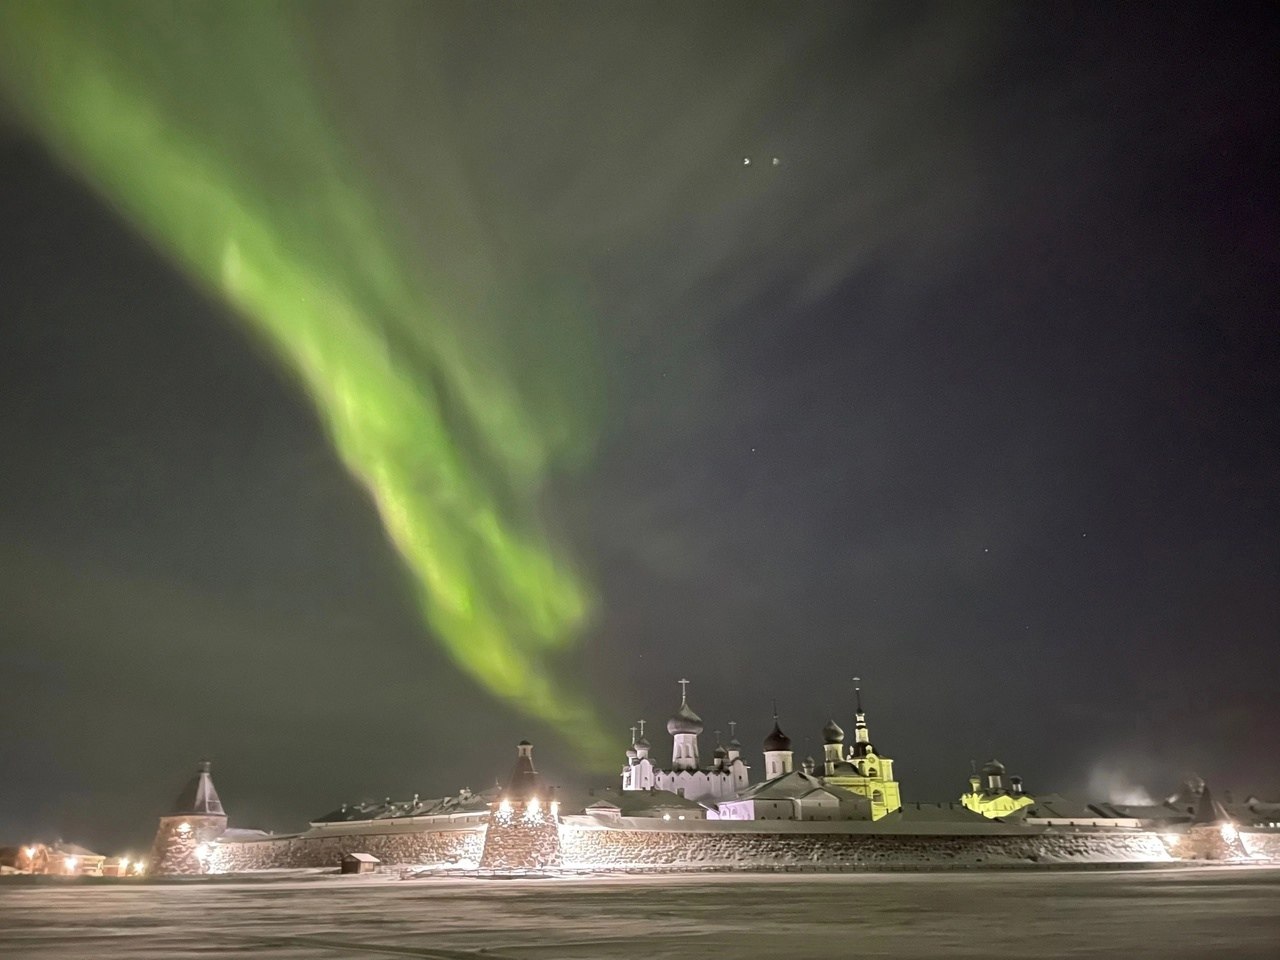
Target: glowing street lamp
x,y
70,863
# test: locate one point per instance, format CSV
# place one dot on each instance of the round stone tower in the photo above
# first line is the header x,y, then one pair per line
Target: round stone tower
x,y
185,835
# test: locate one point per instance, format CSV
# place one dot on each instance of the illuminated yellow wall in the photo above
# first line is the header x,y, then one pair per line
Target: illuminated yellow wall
x,y
994,805
875,782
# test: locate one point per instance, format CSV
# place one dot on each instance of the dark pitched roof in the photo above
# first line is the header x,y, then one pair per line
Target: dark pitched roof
x,y
524,781
1209,810
199,797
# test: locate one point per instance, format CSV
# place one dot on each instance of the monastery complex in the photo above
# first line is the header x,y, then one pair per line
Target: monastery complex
x,y
845,812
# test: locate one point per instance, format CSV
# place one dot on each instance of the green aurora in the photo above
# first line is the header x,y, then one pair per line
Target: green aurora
x,y
254,194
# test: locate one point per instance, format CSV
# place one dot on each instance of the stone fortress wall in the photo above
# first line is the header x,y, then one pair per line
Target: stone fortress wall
x,y
839,851
605,848
462,846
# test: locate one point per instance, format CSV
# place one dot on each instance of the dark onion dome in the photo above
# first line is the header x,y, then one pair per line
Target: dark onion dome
x,y
684,720
643,742
993,768
721,751
832,733
776,740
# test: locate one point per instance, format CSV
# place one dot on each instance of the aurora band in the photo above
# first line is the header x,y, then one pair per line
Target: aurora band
x,y
201,125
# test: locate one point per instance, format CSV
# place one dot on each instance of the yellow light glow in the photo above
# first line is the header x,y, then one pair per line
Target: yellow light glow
x,y
555,808
124,864
1229,833
31,853
184,827
666,816
70,863
1170,839
534,806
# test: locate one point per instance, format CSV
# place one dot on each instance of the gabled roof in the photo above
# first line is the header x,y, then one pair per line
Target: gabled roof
x,y
634,803
464,802
361,857
936,813
199,797
795,786
1056,807
71,850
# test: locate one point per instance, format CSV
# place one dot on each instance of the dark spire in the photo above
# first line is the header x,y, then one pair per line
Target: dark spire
x,y
524,782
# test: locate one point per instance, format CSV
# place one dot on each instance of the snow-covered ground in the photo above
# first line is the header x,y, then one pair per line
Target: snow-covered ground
x,y
1167,913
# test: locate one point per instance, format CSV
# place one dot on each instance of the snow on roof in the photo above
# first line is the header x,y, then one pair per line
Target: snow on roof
x,y
937,813
361,857
795,786
388,809
72,850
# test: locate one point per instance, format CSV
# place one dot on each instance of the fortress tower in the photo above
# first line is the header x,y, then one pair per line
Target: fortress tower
x,y
524,824
196,820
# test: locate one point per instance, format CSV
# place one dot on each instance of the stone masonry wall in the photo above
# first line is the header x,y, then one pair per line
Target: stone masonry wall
x,y
524,847
178,840
635,848
441,846
1261,845
518,846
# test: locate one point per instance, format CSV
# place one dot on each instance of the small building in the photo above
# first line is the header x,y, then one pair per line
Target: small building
x,y
989,796
359,863
66,860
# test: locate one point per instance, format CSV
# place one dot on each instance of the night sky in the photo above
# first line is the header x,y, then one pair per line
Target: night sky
x,y
973,394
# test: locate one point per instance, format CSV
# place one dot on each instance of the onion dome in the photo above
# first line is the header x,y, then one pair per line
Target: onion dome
x,y
643,742
721,752
631,752
832,733
993,768
684,720
776,740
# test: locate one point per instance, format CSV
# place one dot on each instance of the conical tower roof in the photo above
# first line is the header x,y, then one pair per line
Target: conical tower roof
x,y
1209,810
525,783
199,798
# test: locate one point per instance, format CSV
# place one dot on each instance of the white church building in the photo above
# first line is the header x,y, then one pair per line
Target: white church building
x,y
723,779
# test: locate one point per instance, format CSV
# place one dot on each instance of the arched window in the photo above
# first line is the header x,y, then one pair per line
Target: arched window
x,y
872,772
877,797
